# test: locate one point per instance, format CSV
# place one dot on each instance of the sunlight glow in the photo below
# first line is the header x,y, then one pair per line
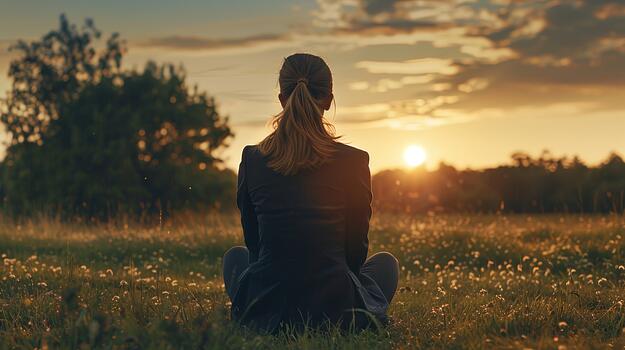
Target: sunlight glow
x,y
414,156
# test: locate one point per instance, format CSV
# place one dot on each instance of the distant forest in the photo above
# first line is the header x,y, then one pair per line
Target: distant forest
x,y
545,184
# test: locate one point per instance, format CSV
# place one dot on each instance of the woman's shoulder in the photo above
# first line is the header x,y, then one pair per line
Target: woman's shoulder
x,y
346,154
250,148
250,154
352,152
341,147
250,151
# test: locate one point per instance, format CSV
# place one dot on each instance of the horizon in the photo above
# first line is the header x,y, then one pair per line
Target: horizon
x,y
469,81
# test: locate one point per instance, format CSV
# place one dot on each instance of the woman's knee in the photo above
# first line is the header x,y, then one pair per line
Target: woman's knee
x,y
237,251
234,261
386,273
386,258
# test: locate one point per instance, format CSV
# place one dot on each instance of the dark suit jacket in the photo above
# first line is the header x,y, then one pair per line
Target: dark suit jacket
x,y
307,238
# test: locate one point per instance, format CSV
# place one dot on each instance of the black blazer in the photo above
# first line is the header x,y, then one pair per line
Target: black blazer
x,y
307,238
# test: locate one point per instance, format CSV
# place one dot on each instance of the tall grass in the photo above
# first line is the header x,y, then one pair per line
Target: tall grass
x,y
467,282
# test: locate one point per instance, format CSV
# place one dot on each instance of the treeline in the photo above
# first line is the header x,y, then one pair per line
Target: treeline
x,y
545,184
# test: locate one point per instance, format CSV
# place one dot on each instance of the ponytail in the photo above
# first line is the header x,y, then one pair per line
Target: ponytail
x,y
301,139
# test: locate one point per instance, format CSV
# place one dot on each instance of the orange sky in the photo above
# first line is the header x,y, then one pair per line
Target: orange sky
x,y
470,81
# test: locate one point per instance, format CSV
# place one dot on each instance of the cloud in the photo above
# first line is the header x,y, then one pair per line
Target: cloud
x,y
388,27
193,43
416,66
564,52
374,17
386,84
571,30
403,15
378,6
393,115
386,111
359,85
443,23
523,55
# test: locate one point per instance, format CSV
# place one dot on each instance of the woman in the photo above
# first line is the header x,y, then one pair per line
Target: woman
x,y
305,208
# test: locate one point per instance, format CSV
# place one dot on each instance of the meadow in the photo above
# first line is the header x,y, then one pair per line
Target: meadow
x,y
542,282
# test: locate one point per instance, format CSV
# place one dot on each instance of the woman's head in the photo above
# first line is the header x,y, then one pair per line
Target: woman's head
x,y
310,70
302,139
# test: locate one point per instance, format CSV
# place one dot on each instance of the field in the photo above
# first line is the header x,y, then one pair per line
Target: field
x,y
467,282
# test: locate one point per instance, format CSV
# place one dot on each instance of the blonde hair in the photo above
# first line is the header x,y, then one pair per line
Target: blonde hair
x,y
302,138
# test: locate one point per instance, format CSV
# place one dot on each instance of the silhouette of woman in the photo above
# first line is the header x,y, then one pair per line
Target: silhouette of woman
x,y
305,202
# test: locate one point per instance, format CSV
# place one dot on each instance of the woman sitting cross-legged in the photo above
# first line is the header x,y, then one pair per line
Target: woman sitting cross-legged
x,y
305,202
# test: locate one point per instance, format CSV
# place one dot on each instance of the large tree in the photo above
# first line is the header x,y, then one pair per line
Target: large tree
x,y
88,137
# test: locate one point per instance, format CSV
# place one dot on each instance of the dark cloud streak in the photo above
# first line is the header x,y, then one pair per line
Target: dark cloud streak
x,y
381,17
201,43
374,7
390,27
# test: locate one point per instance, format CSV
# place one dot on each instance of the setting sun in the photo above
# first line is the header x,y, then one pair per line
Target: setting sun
x,y
414,156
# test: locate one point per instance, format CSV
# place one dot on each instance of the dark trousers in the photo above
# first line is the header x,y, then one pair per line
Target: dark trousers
x,y
382,267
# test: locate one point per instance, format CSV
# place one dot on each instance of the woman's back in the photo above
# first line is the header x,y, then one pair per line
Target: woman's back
x,y
297,211
304,232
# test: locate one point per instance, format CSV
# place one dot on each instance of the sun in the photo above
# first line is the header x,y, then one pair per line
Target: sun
x,y
414,156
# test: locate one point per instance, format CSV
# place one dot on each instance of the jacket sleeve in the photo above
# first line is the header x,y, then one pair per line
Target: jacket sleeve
x,y
249,221
358,213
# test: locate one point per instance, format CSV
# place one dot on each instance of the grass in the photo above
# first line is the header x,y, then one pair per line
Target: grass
x,y
467,282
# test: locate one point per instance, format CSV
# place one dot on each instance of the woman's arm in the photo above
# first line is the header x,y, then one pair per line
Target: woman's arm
x,y
358,213
249,221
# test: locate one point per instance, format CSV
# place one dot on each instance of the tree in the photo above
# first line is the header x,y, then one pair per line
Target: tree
x,y
51,73
90,138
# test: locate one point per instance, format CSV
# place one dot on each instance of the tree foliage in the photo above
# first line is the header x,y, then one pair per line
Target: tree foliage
x,y
90,138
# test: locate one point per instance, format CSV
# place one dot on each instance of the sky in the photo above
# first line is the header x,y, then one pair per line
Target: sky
x,y
471,81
